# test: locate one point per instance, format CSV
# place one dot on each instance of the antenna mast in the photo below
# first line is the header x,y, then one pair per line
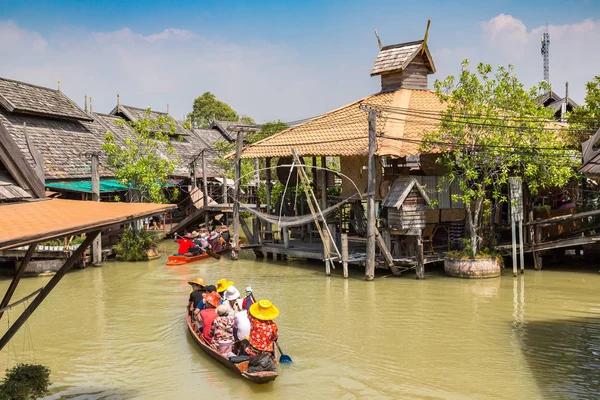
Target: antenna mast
x,y
546,55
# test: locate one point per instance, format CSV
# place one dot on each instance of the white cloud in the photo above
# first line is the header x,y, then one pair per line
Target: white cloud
x,y
171,34
507,40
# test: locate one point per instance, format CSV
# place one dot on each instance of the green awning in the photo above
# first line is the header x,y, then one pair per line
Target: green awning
x,y
106,186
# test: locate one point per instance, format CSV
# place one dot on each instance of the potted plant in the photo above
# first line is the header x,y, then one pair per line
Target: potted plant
x,y
492,128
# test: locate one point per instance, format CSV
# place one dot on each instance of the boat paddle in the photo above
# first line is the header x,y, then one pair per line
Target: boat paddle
x,y
283,358
212,254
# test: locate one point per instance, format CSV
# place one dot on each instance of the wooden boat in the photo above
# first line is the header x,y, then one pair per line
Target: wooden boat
x,y
178,260
240,369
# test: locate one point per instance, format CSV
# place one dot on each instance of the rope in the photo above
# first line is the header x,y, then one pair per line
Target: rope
x,y
8,307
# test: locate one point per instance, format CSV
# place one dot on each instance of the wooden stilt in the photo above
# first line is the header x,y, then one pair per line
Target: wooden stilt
x,y
97,246
323,183
204,188
389,260
286,237
326,253
47,289
370,261
18,274
537,259
247,231
514,245
521,252
236,197
268,185
345,254
420,258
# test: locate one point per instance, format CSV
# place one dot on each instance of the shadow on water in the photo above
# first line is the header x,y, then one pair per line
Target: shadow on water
x,y
91,393
564,356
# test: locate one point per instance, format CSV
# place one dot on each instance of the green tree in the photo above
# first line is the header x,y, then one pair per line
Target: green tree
x,y
267,129
247,120
207,108
584,121
25,381
143,161
491,129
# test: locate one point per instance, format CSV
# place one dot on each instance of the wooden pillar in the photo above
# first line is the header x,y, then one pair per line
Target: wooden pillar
x,y
345,254
268,187
323,183
257,179
370,261
204,188
47,289
514,244
537,259
97,246
315,174
420,257
286,237
236,198
326,254
521,252
18,274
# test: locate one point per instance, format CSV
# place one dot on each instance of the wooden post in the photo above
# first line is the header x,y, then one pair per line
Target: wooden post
x,y
323,183
204,188
47,289
389,260
18,274
236,197
97,246
326,252
345,254
286,237
370,261
537,259
514,244
268,187
420,257
257,179
521,252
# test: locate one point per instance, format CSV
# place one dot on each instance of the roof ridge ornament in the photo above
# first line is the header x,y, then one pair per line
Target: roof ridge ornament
x,y
426,36
378,39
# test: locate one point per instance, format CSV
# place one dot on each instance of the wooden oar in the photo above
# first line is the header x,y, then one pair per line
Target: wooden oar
x,y
212,254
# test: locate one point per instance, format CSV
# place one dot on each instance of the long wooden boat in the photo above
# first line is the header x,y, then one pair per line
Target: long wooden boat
x,y
240,369
178,260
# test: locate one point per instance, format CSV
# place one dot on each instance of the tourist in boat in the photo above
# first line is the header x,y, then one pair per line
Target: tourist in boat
x,y
225,234
221,330
184,242
241,325
202,304
232,300
263,330
249,299
197,248
222,285
196,296
209,314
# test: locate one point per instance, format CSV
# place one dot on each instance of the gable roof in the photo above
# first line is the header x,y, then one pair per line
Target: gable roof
x,y
10,190
396,57
134,114
210,136
591,155
400,190
344,131
25,98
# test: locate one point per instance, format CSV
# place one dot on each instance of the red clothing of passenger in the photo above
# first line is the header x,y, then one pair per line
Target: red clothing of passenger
x,y
184,245
208,315
262,334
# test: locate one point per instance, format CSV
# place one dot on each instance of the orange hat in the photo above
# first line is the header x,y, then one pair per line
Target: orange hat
x,y
212,298
197,281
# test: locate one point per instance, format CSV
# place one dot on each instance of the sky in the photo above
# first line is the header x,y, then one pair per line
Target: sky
x,y
277,60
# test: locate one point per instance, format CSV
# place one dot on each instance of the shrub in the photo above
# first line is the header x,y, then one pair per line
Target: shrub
x,y
134,245
25,381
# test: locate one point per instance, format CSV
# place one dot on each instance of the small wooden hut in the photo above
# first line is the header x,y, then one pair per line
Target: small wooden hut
x,y
405,206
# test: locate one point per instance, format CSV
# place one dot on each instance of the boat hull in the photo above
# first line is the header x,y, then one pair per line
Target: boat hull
x,y
179,260
239,369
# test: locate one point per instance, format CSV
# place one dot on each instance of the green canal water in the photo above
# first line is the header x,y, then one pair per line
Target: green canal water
x,y
118,332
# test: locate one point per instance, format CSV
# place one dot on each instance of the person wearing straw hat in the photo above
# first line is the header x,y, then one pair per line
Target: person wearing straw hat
x,y
263,330
222,285
196,296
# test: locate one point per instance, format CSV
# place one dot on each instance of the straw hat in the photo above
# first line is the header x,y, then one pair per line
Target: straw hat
x,y
194,234
222,310
223,284
212,298
232,293
264,310
197,281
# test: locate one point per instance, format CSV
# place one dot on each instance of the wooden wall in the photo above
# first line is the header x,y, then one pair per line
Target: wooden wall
x,y
414,76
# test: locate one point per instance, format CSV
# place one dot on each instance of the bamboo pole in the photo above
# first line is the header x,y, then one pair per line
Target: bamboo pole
x,y
370,261
97,246
236,198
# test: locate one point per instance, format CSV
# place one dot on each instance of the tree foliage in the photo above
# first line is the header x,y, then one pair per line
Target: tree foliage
x,y
25,381
492,129
267,129
143,161
134,244
207,108
584,121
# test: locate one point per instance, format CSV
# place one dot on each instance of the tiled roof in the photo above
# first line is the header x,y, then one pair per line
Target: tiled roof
x,y
9,190
186,149
210,136
396,57
344,131
62,143
134,114
20,97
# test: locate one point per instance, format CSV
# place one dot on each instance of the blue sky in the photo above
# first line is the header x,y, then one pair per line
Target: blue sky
x,y
277,60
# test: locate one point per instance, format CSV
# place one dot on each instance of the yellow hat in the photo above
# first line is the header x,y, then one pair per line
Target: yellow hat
x,y
197,281
223,284
264,310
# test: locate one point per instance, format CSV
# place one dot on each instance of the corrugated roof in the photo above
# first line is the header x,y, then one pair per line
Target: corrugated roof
x,y
396,57
106,185
21,97
344,131
32,222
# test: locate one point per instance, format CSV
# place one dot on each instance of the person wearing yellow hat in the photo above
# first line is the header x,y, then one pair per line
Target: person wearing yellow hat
x,y
223,285
263,331
198,289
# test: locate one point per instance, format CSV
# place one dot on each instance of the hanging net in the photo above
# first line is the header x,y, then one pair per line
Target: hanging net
x,y
286,222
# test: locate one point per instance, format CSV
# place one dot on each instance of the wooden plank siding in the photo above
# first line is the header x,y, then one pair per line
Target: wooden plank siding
x,y
414,76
